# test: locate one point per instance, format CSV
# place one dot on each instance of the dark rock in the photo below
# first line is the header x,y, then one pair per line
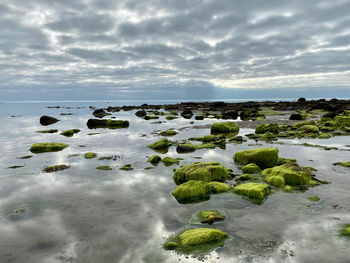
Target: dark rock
x,y
113,109
141,113
100,113
185,148
199,118
301,100
187,114
230,114
47,120
295,116
95,123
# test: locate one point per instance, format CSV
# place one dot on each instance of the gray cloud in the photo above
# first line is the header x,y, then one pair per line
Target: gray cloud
x,y
227,44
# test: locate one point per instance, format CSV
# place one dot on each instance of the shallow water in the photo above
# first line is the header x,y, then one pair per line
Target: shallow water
x,y
86,215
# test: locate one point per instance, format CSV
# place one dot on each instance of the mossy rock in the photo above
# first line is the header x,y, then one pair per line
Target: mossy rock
x,y
268,136
237,139
117,124
105,158
308,129
288,188
263,157
209,171
126,167
70,133
218,187
346,230
154,159
192,191
167,161
254,191
55,168
297,125
168,133
47,147
224,127
198,239
151,117
251,168
244,177
104,168
314,198
25,157
160,144
324,136
210,217
288,174
185,148
170,117
285,160
48,131
90,155
263,128
343,120
345,164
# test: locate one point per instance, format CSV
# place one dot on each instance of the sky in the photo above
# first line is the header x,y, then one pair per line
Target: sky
x,y
133,49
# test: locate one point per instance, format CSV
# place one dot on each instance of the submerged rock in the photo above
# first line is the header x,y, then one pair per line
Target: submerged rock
x,y
192,191
224,127
55,168
95,123
154,159
187,114
126,167
48,131
185,148
255,191
117,124
47,120
210,217
167,161
160,144
168,133
141,113
263,157
345,164
209,171
70,133
47,147
104,168
90,155
251,168
100,113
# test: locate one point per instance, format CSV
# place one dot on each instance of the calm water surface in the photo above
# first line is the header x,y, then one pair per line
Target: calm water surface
x,y
85,215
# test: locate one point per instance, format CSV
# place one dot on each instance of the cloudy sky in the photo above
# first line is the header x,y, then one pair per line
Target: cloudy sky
x,y
116,49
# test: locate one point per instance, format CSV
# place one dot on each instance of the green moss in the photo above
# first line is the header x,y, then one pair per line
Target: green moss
x,y
314,198
160,144
15,166
104,168
47,147
117,124
254,191
345,164
154,159
168,133
210,217
151,117
192,191
251,168
288,188
126,167
297,125
90,155
271,127
289,173
244,177
324,136
224,127
55,168
237,139
48,131
346,230
25,157
170,245
70,133
105,158
308,129
170,117
285,160
217,187
209,171
185,148
209,145
149,167
167,161
343,120
263,157
93,133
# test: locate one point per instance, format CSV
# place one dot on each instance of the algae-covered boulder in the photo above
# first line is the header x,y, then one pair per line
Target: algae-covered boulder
x,y
117,124
70,133
244,177
324,136
263,157
224,127
167,161
47,120
160,144
297,125
192,191
218,187
47,147
210,217
288,174
202,239
271,127
90,155
309,129
126,167
255,191
209,171
346,230
104,168
343,120
55,168
251,168
185,148
154,159
168,133
345,164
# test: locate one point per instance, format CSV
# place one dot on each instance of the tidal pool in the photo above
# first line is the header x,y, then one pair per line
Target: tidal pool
x,y
83,214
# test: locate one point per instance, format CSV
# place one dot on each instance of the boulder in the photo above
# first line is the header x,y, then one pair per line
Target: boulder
x,y
47,120
224,127
217,187
254,191
192,191
100,113
141,113
263,157
210,217
47,147
263,128
251,168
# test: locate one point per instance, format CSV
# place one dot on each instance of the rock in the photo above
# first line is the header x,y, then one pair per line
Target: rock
x,y
244,177
288,174
217,187
104,168
160,144
167,161
263,157
199,118
185,148
47,120
141,113
251,168
47,147
343,120
70,133
210,217
296,117
209,171
170,117
314,198
192,191
346,230
236,139
224,127
117,124
297,125
154,159
55,168
229,114
263,128
168,133
100,113
187,114
345,164
308,129
126,167
90,155
324,136
48,131
285,160
301,100
113,109
95,123
255,191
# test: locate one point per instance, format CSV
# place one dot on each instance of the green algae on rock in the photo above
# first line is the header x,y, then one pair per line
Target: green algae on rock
x,y
105,158
168,133
168,161
314,198
324,135
25,157
254,191
345,164
198,239
285,160
70,133
251,168
154,159
47,147
192,191
210,217
224,127
244,177
308,129
90,155
263,128
263,157
288,174
288,188
160,144
15,166
48,131
218,187
104,168
346,230
126,167
117,124
55,168
185,148
209,171
297,125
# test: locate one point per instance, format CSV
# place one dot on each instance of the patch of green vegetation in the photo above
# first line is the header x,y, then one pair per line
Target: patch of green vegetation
x,y
345,164
218,187
288,188
254,191
224,127
192,191
105,158
285,160
154,159
168,133
251,168
47,147
48,131
346,230
149,167
324,136
117,124
55,168
263,157
314,198
90,155
263,128
170,117
168,161
73,155
297,125
15,166
93,133
308,129
25,157
70,133
160,144
151,117
104,168
126,167
210,217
